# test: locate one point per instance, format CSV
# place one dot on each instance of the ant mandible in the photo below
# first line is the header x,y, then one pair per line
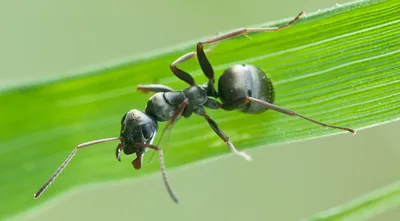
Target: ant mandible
x,y
244,87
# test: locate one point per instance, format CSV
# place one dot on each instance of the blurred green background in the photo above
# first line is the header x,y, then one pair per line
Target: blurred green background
x,y
47,39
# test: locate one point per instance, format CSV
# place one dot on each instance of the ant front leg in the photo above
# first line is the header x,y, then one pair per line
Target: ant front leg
x,y
154,88
163,170
200,111
171,122
206,65
118,151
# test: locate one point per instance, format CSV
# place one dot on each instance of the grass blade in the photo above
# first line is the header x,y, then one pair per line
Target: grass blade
x,y
363,208
339,66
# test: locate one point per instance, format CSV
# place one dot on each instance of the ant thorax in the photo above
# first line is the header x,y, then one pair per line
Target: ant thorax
x,y
162,106
196,94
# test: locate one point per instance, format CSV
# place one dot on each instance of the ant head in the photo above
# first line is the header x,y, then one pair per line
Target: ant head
x,y
136,127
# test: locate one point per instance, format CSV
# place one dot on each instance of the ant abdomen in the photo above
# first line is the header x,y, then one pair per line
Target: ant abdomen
x,y
241,81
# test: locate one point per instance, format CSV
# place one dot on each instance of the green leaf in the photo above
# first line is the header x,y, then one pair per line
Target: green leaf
x,y
339,66
364,207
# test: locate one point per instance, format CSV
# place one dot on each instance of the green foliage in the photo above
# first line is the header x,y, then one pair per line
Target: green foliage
x,y
339,66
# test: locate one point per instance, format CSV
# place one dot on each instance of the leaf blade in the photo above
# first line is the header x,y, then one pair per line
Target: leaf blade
x,y
365,207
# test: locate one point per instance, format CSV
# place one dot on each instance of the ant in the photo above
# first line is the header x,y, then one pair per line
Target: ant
x,y
243,87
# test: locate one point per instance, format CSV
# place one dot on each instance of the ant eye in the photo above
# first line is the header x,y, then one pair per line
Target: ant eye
x,y
147,132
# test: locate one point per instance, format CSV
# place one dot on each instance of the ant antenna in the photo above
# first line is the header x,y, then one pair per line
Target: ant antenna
x,y
69,158
163,170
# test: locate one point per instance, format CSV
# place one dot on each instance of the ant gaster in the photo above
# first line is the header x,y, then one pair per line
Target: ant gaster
x,y
245,88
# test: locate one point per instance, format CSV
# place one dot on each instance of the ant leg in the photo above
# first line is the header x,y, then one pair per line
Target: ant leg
x,y
163,170
153,88
243,31
207,70
190,55
212,104
65,163
286,111
206,65
174,118
182,74
200,111
169,125
118,151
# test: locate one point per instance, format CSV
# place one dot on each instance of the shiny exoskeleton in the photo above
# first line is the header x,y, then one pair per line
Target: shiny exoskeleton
x,y
242,87
141,127
241,81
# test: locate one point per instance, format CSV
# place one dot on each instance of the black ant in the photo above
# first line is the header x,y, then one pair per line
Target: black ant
x,y
244,87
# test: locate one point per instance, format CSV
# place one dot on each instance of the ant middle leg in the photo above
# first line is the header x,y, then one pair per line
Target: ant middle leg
x,y
200,111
